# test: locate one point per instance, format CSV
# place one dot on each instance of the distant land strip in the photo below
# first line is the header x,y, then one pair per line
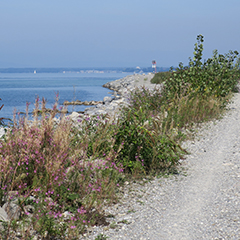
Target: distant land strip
x,y
82,70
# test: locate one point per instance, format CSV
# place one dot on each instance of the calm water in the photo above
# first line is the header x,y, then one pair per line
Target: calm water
x,y
18,88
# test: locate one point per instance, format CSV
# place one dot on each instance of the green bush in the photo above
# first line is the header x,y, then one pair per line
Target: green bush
x,y
160,77
143,148
217,76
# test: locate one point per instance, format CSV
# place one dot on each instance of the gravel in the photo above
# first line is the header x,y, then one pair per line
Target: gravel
x,y
202,202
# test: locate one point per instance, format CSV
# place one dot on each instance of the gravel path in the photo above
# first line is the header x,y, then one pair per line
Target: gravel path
x,y
202,202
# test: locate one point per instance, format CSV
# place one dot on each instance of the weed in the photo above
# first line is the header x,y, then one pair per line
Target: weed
x,y
113,225
131,211
141,202
101,237
124,221
1,119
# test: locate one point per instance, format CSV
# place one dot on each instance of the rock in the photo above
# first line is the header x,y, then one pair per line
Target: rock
x,y
119,101
18,234
67,215
29,209
3,215
13,210
56,120
107,100
2,131
77,102
12,196
100,106
111,107
99,112
90,109
74,116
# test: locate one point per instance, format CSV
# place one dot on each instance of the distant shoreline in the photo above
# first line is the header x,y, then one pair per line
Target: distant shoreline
x,y
83,70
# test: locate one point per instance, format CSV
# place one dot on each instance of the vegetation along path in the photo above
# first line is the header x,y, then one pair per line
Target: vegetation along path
x,y
204,203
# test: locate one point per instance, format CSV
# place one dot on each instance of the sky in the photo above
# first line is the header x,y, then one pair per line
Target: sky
x,y
114,33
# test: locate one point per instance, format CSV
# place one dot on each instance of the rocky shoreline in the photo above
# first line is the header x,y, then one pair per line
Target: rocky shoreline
x,y
120,97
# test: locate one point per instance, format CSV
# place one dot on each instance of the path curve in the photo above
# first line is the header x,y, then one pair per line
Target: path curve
x,y
204,204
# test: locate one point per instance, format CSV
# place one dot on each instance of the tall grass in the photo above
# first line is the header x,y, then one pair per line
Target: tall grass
x,y
60,174
42,166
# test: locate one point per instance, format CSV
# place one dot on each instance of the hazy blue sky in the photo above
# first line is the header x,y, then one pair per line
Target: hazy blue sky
x,y
112,33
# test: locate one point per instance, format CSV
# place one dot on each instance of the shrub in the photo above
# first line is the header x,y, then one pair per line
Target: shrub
x,y
143,148
217,76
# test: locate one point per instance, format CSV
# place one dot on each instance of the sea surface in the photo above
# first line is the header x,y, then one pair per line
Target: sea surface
x,y
16,89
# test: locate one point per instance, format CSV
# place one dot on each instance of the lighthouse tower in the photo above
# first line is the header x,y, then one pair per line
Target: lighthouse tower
x,y
154,66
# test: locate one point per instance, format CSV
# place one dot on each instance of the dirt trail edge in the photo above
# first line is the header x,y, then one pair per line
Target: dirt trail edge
x,y
204,204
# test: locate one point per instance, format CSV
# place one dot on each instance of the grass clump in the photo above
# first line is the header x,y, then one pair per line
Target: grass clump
x,y
60,174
